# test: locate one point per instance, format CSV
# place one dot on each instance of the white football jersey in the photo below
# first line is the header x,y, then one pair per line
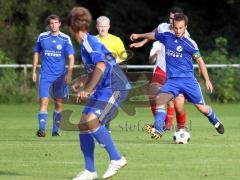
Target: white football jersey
x,y
161,63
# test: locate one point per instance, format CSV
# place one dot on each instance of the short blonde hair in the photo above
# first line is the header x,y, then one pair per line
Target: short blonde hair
x,y
103,18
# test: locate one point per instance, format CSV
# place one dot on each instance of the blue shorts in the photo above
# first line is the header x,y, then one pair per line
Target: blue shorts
x,y
104,104
55,87
188,86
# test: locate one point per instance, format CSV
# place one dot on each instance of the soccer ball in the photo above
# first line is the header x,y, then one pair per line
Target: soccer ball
x,y
181,136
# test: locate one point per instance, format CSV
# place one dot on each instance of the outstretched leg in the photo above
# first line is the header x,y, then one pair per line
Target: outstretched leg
x,y
210,114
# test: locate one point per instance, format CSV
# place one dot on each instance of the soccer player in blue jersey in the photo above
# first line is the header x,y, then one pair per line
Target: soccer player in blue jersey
x,y
158,54
180,51
105,88
55,49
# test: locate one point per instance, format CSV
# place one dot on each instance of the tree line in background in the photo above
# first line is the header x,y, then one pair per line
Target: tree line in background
x,y
213,25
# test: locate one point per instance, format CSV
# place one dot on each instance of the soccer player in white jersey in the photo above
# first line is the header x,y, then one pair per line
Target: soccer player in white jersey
x,y
55,49
110,86
180,51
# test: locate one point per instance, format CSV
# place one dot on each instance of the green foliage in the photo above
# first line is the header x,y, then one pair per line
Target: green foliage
x,y
225,80
12,84
21,21
4,59
12,87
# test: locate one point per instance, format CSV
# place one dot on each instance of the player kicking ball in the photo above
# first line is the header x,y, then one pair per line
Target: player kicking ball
x,y
180,51
109,86
157,56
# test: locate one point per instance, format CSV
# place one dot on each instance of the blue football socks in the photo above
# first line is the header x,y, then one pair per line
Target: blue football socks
x,y
159,119
212,117
42,120
103,137
87,146
57,118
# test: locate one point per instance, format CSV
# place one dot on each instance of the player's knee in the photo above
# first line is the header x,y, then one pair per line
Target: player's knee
x,y
171,104
180,111
88,124
58,105
203,108
163,98
154,89
44,103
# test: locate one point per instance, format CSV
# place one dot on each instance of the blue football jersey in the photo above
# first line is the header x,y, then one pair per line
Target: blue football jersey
x,y
178,54
92,52
54,51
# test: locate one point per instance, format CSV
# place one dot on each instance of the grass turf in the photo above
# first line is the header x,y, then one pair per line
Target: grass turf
x,y
207,156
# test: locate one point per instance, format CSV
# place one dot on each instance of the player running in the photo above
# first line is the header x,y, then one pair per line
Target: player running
x,y
55,48
111,88
180,50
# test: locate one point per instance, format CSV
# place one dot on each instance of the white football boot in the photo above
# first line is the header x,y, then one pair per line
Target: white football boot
x,y
114,167
86,175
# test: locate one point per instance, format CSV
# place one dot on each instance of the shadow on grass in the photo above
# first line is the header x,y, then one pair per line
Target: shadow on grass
x,y
8,173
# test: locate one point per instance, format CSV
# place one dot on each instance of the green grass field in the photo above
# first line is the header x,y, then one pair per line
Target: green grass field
x,y
207,156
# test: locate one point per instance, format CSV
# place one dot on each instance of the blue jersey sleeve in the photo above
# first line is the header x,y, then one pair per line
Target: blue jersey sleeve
x,y
38,47
70,50
97,54
192,48
94,50
97,57
160,37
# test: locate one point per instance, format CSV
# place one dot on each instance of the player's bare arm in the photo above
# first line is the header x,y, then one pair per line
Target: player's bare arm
x,y
150,36
70,69
34,67
204,73
140,43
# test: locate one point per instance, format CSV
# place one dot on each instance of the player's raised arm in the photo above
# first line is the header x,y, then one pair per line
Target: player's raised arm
x,y
204,73
140,43
150,36
34,67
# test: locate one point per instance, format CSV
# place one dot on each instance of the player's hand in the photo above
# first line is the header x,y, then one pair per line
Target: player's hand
x,y
68,78
209,86
136,45
75,87
34,77
134,37
82,96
